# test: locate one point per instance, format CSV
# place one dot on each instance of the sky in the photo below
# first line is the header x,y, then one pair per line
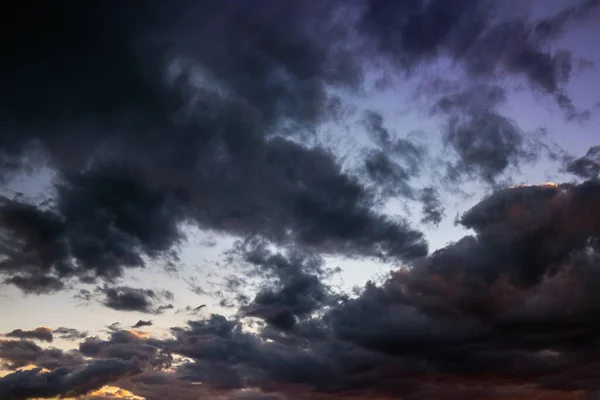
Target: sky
x,y
279,200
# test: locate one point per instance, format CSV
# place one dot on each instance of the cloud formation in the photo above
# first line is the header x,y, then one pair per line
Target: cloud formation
x,y
125,345
207,114
21,353
69,333
493,308
508,311
41,333
148,113
36,383
587,166
141,323
124,298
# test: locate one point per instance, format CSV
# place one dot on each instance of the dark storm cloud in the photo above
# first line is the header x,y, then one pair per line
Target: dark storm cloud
x,y
494,309
65,381
155,385
252,361
291,287
586,167
151,113
100,225
125,345
124,298
20,353
142,323
507,311
522,234
36,284
154,117
41,333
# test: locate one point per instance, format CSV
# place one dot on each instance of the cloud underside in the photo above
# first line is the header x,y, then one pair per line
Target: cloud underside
x,y
149,125
206,115
506,312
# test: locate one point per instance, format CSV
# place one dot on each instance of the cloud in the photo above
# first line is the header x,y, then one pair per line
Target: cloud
x,y
507,311
41,333
69,333
433,211
20,353
586,167
167,124
36,284
291,287
125,345
487,144
142,323
207,115
35,383
469,33
490,312
124,298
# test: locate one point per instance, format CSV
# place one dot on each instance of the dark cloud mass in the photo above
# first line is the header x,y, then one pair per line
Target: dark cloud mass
x,y
64,381
294,288
41,333
169,122
487,312
124,298
153,118
125,345
21,353
152,113
586,167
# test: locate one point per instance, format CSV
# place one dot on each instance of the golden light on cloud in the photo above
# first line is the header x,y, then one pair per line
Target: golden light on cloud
x,y
139,334
544,184
32,366
25,368
115,392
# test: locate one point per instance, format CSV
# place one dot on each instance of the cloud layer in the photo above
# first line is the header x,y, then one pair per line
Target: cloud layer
x,y
208,114
471,320
151,118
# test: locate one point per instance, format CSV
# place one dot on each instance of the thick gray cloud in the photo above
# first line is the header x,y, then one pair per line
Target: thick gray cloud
x,y
148,135
64,381
494,309
41,333
125,345
151,113
511,307
587,166
20,353
291,285
124,298
197,113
